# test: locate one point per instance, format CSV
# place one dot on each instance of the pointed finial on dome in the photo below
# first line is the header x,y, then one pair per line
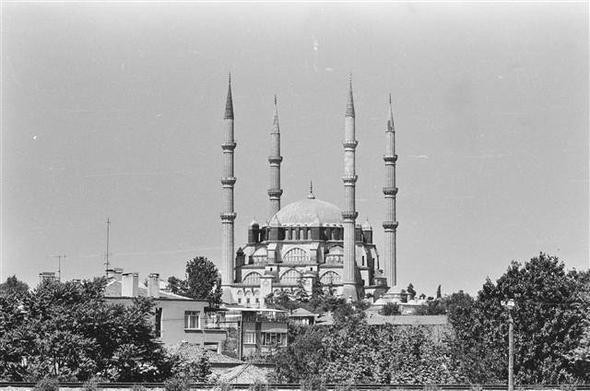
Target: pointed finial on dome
x,y
367,225
390,124
229,105
310,195
275,120
350,104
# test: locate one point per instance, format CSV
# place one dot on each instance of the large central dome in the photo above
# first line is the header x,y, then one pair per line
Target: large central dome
x,y
310,211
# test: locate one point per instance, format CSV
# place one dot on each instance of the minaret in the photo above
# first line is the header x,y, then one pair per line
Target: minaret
x,y
349,214
275,159
390,192
227,183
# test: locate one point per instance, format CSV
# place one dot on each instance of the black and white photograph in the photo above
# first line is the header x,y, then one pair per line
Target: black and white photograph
x,y
294,195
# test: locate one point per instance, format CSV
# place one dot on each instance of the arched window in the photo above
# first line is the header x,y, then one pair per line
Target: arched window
x,y
252,279
296,255
330,278
290,277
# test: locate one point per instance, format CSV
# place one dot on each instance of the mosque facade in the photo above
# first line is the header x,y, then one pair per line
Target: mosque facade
x,y
308,240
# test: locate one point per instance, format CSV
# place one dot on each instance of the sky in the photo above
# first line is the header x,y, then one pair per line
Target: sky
x,y
115,110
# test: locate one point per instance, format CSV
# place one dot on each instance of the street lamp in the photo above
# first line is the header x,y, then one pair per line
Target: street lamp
x,y
509,304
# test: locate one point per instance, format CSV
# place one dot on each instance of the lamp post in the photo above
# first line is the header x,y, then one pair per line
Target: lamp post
x,y
509,304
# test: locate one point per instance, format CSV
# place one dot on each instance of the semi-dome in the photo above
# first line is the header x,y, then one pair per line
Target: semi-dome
x,y
310,211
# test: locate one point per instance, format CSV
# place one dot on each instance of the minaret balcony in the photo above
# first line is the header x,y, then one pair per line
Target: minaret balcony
x,y
350,144
390,158
228,146
228,180
349,179
390,225
349,215
227,216
275,159
275,192
390,191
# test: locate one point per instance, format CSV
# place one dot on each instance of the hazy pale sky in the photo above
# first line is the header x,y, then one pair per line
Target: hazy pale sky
x,y
116,110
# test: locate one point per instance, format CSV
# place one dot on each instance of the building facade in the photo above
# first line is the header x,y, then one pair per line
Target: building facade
x,y
308,240
177,318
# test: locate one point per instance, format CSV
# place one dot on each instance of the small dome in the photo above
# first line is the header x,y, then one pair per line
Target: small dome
x,y
311,211
254,223
367,226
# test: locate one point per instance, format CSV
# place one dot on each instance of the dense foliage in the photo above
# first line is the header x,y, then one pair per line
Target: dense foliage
x,y
69,332
351,350
551,328
551,321
13,286
202,281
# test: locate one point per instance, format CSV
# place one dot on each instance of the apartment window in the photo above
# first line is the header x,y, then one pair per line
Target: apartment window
x,y
269,339
250,337
191,320
239,300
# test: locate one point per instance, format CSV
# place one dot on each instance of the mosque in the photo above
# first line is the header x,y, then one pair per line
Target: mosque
x,y
308,240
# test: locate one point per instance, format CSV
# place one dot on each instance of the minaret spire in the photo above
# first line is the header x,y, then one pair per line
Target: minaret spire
x,y
350,104
228,215
390,192
229,105
275,159
349,214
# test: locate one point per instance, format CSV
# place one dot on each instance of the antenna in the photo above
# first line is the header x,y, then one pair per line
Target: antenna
x,y
107,264
59,257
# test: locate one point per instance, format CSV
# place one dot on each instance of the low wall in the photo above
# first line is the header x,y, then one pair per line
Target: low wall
x,y
18,386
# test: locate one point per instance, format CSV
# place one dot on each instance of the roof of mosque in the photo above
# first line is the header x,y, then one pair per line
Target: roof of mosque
x,y
310,211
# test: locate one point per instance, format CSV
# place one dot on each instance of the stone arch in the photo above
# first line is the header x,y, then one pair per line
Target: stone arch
x,y
296,255
290,277
252,278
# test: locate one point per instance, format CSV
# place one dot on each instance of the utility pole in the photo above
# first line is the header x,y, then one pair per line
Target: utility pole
x,y
59,257
510,351
509,304
107,264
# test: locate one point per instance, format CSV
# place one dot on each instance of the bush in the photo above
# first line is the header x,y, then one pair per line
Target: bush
x,y
47,384
177,383
222,386
390,309
92,384
258,386
312,383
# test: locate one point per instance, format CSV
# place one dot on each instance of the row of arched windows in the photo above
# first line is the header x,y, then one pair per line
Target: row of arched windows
x,y
292,277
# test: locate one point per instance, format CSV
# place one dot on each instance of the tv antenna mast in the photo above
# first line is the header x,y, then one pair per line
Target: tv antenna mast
x,y
107,264
59,258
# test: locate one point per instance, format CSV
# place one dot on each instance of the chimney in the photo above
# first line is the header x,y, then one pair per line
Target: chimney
x,y
153,285
129,284
118,273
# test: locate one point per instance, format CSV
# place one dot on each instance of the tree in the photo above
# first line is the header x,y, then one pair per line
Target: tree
x,y
438,293
549,317
390,309
69,331
202,281
13,286
411,291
